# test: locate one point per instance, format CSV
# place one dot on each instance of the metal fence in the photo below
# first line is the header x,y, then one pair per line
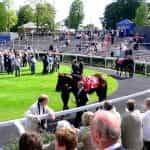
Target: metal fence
x,y
140,67
15,128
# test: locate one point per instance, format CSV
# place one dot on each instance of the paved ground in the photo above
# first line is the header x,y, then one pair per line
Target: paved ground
x,y
130,86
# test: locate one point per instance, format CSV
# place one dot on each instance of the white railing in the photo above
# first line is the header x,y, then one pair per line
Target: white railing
x,y
146,64
19,122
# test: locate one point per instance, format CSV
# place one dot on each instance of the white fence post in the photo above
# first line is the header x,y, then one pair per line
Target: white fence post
x,y
20,127
105,62
145,68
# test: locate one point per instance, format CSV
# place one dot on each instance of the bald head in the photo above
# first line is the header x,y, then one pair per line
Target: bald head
x,y
105,128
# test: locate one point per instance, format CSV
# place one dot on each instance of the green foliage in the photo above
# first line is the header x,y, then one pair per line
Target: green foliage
x,y
141,15
20,93
25,15
45,16
3,17
47,137
117,11
12,19
76,15
8,17
12,146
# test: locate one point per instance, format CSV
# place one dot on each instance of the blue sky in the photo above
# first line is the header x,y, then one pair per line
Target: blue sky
x,y
93,9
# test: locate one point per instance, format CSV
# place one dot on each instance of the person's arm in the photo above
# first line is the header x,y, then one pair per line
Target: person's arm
x,y
51,113
30,114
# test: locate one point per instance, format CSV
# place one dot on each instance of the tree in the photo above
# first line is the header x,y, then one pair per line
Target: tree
x,y
25,15
76,15
3,18
111,15
8,17
121,9
141,15
12,21
45,16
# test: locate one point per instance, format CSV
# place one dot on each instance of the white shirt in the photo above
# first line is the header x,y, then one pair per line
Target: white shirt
x,y
33,116
146,126
114,146
34,111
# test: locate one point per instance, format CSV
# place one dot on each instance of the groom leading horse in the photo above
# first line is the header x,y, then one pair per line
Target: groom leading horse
x,y
69,83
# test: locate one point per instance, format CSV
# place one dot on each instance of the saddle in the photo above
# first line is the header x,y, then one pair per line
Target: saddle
x,y
90,83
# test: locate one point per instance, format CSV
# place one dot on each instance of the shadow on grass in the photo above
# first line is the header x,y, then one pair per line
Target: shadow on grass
x,y
6,76
10,76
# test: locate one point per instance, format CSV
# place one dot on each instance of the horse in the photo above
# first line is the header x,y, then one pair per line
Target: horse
x,y
126,65
67,84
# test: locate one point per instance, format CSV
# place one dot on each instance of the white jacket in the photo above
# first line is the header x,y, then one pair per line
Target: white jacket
x,y
33,116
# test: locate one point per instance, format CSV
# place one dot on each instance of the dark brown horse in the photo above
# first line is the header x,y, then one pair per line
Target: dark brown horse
x,y
66,84
125,65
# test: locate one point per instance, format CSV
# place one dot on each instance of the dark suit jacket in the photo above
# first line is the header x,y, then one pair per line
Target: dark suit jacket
x,y
82,97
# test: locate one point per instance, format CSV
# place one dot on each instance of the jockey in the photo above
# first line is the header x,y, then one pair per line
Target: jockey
x,y
81,67
77,70
74,67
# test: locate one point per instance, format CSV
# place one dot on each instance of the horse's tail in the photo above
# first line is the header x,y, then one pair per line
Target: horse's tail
x,y
100,78
102,86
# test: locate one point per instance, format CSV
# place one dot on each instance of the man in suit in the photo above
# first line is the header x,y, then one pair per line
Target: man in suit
x,y
82,99
81,68
105,131
75,68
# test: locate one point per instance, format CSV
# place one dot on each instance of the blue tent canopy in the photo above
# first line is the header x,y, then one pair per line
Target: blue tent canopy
x,y
126,25
5,38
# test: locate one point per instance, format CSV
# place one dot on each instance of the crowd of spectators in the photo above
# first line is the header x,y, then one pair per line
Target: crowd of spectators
x,y
12,61
105,129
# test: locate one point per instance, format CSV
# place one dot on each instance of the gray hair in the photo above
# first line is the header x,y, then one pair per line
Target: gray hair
x,y
63,124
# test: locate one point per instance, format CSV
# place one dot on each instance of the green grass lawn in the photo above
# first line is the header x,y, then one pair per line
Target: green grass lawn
x,y
17,94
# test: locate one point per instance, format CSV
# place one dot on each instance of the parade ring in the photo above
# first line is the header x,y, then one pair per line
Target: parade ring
x,y
18,94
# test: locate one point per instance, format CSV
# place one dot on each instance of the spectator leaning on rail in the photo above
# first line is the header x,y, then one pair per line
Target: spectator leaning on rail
x,y
105,131
146,125
37,110
132,135
30,141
